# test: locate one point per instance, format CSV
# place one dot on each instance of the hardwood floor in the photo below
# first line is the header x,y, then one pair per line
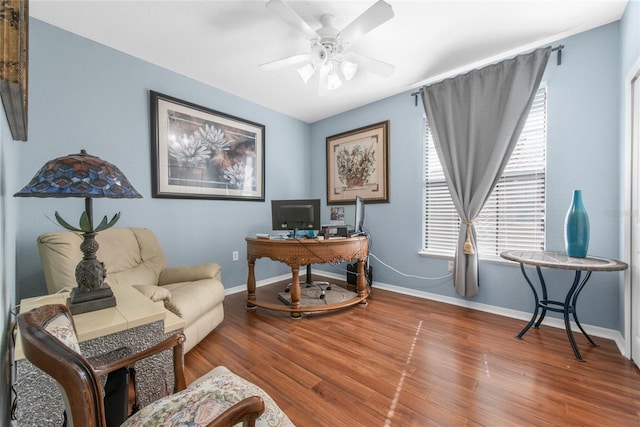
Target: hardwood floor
x,y
405,361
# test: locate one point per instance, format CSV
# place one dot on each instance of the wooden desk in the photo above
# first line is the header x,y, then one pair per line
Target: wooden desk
x,y
297,253
134,322
560,260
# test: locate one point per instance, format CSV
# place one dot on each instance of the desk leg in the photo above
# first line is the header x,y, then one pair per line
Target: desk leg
x,y
536,306
361,282
251,285
295,292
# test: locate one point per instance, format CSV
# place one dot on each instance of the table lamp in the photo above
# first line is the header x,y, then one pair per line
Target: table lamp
x,y
84,175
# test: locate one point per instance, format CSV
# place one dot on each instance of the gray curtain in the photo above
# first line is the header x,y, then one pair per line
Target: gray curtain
x,y
476,119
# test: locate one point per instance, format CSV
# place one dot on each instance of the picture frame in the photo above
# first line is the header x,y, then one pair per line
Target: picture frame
x,y
336,215
14,54
200,153
358,165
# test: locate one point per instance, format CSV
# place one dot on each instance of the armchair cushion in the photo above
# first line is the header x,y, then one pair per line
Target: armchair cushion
x,y
159,294
204,400
131,255
154,293
194,299
61,327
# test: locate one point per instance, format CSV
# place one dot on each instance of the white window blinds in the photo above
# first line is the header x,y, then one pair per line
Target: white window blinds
x,y
514,215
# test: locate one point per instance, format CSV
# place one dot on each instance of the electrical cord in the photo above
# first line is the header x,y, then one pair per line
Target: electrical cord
x,y
405,274
366,233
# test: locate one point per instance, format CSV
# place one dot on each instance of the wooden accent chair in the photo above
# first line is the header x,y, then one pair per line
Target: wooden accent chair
x,y
49,339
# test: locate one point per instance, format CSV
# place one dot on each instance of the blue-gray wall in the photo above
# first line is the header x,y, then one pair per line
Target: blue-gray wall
x,y
84,95
584,149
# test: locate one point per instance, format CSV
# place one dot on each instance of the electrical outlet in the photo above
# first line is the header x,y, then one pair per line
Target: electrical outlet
x,y
235,255
450,266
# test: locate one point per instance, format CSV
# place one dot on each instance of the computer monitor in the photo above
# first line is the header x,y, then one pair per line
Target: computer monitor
x,y
295,215
358,225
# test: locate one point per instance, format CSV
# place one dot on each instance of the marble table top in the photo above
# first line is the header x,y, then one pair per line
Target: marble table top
x,y
551,259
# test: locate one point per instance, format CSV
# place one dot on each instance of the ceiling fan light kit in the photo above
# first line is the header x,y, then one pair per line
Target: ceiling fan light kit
x,y
348,69
333,81
306,72
325,57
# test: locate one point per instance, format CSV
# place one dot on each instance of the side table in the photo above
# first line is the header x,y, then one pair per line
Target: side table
x,y
559,260
135,322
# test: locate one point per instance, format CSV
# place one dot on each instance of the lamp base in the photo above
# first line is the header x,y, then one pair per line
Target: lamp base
x,y
97,299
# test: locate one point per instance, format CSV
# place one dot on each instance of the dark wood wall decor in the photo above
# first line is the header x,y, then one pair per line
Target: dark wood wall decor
x,y
14,55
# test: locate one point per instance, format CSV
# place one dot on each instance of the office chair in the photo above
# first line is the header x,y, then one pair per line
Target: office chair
x,y
309,283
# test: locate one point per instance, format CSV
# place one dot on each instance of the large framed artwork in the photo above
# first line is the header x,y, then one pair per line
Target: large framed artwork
x,y
14,54
202,153
358,165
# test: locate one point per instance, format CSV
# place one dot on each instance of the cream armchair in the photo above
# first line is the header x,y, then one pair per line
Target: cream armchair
x,y
133,256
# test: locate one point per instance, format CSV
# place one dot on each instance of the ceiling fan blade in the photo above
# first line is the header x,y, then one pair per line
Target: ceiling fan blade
x,y
376,15
375,66
287,14
285,62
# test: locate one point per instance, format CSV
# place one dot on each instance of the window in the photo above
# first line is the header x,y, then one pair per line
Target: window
x,y
514,215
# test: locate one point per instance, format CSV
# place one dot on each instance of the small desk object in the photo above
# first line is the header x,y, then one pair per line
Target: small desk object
x,y
560,260
300,252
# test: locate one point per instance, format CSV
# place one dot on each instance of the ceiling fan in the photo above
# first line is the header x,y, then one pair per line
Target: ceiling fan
x,y
328,55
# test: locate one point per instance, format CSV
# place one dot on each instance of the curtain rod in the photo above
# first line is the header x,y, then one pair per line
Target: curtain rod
x,y
559,59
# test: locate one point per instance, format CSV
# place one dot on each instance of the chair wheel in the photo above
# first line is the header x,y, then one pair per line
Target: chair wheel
x,y
328,288
321,296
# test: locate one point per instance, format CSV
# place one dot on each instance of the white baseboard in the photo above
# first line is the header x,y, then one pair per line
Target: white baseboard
x,y
595,331
259,283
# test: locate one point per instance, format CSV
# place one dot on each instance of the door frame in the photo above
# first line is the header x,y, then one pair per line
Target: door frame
x,y
633,74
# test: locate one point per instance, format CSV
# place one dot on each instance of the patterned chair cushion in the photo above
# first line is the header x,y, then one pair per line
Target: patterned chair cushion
x,y
61,328
204,400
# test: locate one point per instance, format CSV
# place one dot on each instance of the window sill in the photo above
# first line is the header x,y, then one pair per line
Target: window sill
x,y
494,259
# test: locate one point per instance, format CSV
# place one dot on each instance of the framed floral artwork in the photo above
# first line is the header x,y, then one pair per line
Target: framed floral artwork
x,y
358,165
202,153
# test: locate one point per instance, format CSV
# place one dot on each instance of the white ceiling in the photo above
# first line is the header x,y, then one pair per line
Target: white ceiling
x,y
221,43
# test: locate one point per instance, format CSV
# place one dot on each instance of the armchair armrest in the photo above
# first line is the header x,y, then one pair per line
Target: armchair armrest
x,y
245,411
189,273
174,342
105,358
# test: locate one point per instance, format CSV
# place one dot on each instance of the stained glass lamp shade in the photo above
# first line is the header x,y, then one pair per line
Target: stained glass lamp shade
x,y
84,175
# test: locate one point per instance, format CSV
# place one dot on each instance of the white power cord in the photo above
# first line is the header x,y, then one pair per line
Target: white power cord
x,y
371,254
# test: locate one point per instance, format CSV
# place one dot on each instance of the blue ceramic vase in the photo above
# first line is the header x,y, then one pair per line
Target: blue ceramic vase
x,y
576,228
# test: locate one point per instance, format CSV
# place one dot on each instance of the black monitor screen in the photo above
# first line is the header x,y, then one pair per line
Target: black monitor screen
x,y
295,214
359,220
